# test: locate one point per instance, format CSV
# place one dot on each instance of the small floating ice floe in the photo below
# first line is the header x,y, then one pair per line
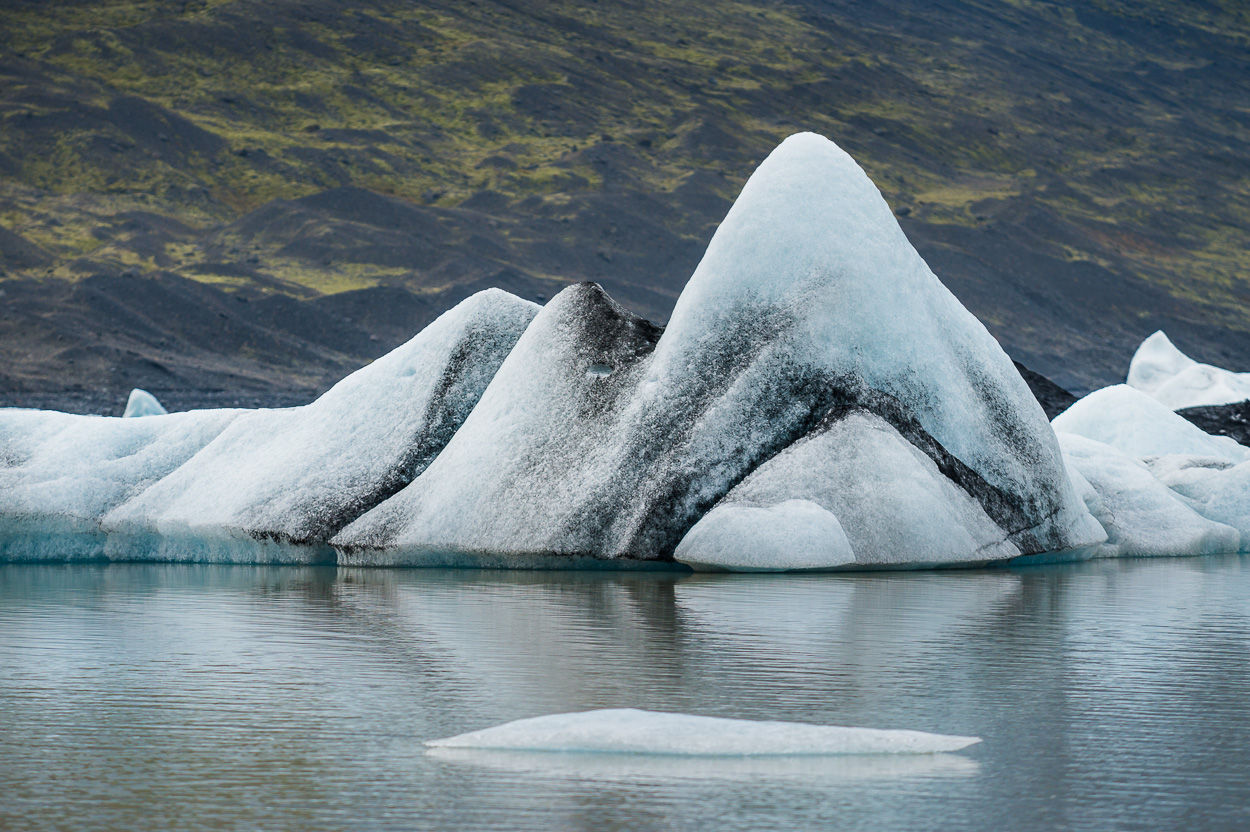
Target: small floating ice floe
x,y
631,731
666,768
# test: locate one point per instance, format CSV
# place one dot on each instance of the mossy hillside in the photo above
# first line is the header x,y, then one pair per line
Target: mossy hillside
x,y
553,140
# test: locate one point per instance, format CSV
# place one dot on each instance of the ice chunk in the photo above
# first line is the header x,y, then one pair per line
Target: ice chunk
x,y
893,502
142,403
809,298
630,731
793,534
1177,381
298,475
1141,427
1142,516
59,473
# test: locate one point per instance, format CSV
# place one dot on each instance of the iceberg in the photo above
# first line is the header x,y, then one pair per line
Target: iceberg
x,y
604,436
631,731
278,484
1165,373
818,400
790,535
142,403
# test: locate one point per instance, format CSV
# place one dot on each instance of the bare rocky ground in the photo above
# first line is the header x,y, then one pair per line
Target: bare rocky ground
x,y
246,199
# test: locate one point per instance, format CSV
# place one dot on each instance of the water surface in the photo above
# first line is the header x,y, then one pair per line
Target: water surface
x,y
1110,696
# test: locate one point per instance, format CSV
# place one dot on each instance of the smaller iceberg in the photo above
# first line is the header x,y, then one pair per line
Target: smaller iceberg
x,y
1142,516
631,731
1156,483
1138,425
60,473
143,403
1166,374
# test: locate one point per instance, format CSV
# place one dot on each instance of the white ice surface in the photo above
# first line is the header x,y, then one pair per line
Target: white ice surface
x,y
809,285
300,473
1142,516
142,403
887,500
1165,373
749,772
630,731
59,473
1141,427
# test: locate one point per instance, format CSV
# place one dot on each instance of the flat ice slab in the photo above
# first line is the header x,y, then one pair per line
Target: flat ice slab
x,y
631,731
648,769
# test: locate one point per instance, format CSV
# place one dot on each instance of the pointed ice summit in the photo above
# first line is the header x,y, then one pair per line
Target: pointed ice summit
x,y
816,384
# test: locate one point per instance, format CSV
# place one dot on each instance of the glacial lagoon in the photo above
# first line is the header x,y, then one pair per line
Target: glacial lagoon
x,y
1109,694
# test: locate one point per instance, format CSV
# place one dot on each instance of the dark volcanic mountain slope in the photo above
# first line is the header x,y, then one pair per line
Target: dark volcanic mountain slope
x,y
1076,172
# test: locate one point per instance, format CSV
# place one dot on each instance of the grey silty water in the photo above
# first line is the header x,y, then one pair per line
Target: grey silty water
x,y
1109,696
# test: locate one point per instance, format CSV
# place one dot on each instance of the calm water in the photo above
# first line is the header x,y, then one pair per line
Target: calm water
x,y
1110,696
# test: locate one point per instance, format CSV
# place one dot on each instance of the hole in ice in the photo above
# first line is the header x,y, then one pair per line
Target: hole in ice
x,y
599,370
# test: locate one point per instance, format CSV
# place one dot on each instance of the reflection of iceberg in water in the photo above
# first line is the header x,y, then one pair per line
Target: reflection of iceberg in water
x,y
578,641
543,641
646,768
813,615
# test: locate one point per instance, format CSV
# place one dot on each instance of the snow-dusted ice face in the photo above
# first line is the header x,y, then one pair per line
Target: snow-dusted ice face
x,y
62,473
